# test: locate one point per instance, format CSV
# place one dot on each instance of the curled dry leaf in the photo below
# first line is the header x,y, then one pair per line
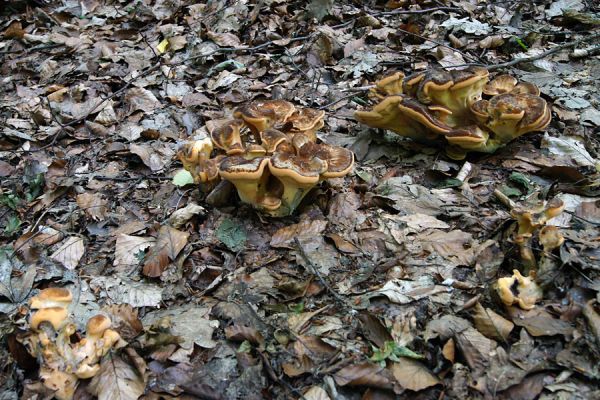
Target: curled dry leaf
x,y
316,393
70,252
183,215
491,324
413,375
365,374
127,249
168,244
117,380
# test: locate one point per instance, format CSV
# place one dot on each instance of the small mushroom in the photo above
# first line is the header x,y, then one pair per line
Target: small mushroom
x,y
389,86
306,121
339,160
519,290
55,316
271,139
512,115
500,84
503,84
550,238
195,157
51,297
251,180
227,137
406,117
468,138
298,173
263,114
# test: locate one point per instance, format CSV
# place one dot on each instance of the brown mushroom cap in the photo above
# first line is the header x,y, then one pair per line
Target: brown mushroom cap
x,y
338,159
500,84
97,325
251,180
51,297
512,115
528,292
388,86
263,114
62,383
307,121
190,154
405,117
479,110
526,88
550,238
56,316
228,137
419,113
271,139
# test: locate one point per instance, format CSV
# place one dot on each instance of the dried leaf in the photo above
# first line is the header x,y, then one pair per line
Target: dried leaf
x,y
413,375
123,290
184,214
117,380
70,252
367,374
491,324
168,244
128,248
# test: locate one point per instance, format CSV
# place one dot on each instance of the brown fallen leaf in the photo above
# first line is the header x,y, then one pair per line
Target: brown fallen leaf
x,y
127,248
94,205
117,380
125,320
305,231
239,333
70,252
373,329
539,322
412,374
168,244
365,374
491,324
449,350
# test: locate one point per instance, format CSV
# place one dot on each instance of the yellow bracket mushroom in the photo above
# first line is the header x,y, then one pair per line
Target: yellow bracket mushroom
x,y
62,361
450,104
274,168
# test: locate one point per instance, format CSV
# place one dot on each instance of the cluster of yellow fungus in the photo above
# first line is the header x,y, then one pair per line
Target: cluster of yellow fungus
x,y
450,104
269,152
63,360
531,226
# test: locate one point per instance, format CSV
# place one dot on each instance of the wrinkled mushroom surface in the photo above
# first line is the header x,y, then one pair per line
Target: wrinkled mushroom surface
x,y
276,166
449,104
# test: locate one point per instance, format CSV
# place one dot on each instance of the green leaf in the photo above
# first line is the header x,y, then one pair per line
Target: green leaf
x,y
36,186
232,234
245,347
10,200
182,178
521,43
12,225
392,351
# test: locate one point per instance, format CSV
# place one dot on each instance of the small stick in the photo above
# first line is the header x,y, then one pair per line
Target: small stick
x,y
316,272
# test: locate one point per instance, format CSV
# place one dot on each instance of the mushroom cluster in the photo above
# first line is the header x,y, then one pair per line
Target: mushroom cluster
x,y
63,360
531,227
450,104
269,152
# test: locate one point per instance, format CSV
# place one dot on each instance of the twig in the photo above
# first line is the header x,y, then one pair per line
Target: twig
x,y
398,12
316,272
544,54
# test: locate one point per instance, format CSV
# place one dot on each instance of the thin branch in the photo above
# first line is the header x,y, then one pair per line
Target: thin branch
x,y
343,302
545,54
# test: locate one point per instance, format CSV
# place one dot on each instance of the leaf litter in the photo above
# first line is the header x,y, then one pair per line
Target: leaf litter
x,y
382,285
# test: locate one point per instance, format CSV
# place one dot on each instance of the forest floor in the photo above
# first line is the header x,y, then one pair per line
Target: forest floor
x,y
381,285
